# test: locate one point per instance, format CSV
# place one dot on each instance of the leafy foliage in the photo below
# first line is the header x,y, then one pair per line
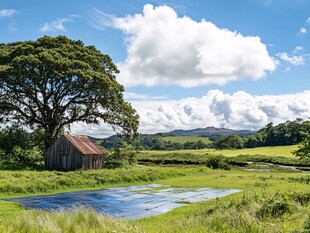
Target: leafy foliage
x,y
217,162
54,82
18,145
304,149
273,207
288,133
121,157
231,141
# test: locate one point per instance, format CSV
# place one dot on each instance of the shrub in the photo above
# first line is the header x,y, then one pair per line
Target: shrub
x,y
121,157
21,155
217,162
301,198
273,207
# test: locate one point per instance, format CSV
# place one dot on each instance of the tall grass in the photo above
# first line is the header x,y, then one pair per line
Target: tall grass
x,y
251,213
78,221
34,182
259,208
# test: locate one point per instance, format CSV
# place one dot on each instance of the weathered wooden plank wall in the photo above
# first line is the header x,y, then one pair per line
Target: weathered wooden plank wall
x,y
62,155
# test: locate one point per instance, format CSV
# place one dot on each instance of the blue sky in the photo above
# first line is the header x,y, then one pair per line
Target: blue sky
x,y
186,64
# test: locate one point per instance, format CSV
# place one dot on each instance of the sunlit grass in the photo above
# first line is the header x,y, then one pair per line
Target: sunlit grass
x,y
228,214
285,151
78,221
16,183
275,155
238,214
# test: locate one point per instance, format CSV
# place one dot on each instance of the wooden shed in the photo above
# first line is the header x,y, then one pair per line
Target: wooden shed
x,y
73,152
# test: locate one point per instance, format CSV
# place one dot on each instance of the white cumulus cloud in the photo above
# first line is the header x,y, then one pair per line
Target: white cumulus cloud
x,y
7,12
165,49
57,25
294,60
239,110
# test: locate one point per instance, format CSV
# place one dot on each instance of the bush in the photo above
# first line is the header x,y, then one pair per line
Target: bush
x,y
273,207
32,155
121,157
217,162
21,146
301,198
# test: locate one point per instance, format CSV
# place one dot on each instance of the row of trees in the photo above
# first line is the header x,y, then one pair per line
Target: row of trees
x,y
22,146
288,133
154,142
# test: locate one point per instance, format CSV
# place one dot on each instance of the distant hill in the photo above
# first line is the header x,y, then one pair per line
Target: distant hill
x,y
208,131
189,139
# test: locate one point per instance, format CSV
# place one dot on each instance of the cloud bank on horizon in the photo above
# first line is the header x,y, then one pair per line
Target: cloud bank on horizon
x,y
164,49
239,110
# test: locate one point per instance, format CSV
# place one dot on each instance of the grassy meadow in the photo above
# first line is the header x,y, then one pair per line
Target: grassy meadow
x,y
277,201
277,155
285,151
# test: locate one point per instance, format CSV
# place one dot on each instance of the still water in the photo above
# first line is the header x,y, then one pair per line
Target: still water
x,y
132,202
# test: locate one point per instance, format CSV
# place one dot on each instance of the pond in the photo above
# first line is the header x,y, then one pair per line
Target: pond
x,y
132,202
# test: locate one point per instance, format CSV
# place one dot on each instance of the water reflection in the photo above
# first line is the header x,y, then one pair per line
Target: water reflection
x,y
132,202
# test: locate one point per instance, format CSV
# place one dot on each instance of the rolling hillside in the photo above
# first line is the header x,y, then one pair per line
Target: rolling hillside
x,y
208,131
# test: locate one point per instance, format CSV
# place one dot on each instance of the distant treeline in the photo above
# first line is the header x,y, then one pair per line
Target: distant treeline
x,y
288,133
23,146
154,142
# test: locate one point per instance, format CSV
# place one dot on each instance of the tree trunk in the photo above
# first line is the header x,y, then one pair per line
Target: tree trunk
x,y
49,138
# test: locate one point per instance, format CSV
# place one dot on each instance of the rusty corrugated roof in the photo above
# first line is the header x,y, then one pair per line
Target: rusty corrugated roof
x,y
84,144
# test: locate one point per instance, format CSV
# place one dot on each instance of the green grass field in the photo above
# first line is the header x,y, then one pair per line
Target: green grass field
x,y
276,201
285,151
183,139
235,213
277,155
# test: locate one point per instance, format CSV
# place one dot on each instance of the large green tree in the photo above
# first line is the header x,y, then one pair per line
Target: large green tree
x,y
51,83
231,141
303,149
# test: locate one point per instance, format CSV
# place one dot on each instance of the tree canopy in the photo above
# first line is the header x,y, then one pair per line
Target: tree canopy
x,y
304,149
231,141
51,83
